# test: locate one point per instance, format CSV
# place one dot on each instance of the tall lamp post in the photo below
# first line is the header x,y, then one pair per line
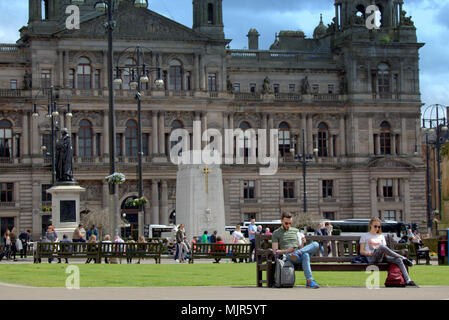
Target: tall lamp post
x,y
303,158
52,113
139,75
435,125
110,6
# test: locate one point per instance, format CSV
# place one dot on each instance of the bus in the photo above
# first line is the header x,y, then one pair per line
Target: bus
x,y
273,225
356,227
159,231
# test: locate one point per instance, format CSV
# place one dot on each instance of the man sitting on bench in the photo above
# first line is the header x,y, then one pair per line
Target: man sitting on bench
x,y
288,240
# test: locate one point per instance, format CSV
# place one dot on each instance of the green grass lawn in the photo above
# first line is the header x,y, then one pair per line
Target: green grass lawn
x,y
167,275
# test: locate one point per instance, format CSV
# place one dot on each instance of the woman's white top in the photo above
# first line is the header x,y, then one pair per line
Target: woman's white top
x,y
372,241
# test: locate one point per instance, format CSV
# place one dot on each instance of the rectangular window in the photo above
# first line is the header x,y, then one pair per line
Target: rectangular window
x,y
45,79
328,189
13,83
389,215
315,88
248,190
236,87
330,88
212,82
291,88
329,215
45,197
276,88
98,144
176,78
71,79
387,188
252,87
46,142
74,145
97,78
289,189
6,192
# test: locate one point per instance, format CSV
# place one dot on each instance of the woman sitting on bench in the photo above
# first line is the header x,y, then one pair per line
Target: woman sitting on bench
x,y
374,247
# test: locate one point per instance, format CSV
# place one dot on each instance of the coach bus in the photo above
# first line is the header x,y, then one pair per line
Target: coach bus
x,y
356,227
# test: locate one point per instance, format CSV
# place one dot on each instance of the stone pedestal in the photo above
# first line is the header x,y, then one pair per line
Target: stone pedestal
x,y
197,209
65,200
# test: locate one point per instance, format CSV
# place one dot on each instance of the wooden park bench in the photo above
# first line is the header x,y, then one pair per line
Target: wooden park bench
x,y
416,253
220,251
97,251
343,249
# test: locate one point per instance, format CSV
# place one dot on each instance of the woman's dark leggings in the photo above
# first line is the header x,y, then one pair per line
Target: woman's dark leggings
x,y
391,257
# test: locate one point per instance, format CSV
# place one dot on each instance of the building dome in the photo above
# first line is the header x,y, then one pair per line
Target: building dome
x,y
320,30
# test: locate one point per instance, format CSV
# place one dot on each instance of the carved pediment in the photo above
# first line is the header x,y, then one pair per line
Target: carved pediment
x,y
390,163
135,23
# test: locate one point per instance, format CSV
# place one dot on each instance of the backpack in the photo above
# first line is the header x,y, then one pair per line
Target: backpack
x,y
395,277
284,274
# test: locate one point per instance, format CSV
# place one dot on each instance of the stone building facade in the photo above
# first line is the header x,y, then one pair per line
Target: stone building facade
x,y
354,93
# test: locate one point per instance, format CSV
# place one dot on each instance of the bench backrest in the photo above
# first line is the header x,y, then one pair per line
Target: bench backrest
x,y
236,249
95,249
343,248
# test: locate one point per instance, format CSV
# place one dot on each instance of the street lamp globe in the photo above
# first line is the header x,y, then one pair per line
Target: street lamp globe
x,y
118,81
133,84
101,6
144,79
140,3
159,83
315,150
444,128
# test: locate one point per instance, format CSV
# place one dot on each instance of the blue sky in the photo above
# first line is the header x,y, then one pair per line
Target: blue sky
x,y
431,18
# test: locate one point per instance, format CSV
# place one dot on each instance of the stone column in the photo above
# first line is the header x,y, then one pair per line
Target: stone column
x,y
393,144
163,210
196,66
154,201
403,142
61,68
35,142
162,133
342,136
105,135
373,186
309,135
356,136
105,202
154,133
331,145
380,189
395,190
25,135
406,200
104,70
202,74
370,137
65,69
203,128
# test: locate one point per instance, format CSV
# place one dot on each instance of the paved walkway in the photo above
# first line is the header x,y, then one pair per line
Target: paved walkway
x,y
12,292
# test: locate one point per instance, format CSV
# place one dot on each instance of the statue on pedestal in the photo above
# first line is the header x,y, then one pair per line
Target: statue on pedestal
x,y
266,86
305,86
64,154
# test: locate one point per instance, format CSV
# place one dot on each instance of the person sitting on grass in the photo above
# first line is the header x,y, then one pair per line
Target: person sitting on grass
x,y
288,240
374,247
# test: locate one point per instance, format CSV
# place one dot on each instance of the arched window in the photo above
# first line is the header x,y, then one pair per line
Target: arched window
x,y
85,138
176,75
385,138
84,73
323,134
131,138
383,80
5,138
284,139
210,13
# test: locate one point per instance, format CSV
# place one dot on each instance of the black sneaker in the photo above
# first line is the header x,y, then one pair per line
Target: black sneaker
x,y
411,284
408,262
